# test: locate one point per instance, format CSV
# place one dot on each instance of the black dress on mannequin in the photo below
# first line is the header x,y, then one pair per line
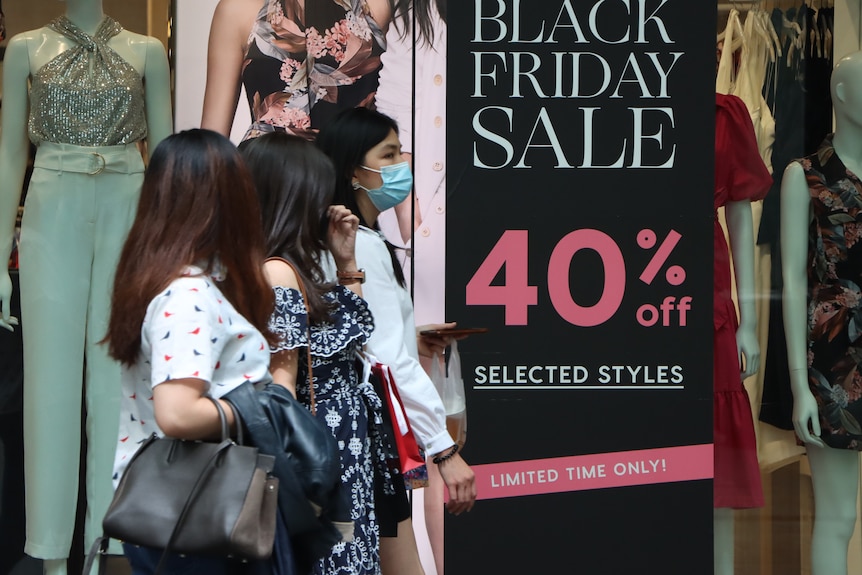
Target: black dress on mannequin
x,y
802,106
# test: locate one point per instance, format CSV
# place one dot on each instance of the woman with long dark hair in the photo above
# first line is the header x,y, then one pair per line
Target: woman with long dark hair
x,y
191,305
372,177
295,183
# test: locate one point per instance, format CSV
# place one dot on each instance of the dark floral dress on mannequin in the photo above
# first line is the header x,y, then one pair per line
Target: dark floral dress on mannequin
x,y
835,298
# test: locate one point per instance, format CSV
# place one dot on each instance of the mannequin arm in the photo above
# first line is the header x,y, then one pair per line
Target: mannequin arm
x,y
740,228
14,147
157,93
229,31
794,260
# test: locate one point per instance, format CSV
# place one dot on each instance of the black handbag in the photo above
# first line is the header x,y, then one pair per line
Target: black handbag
x,y
223,493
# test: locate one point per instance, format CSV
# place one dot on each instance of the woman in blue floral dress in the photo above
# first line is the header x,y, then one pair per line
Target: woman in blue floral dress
x,y
295,183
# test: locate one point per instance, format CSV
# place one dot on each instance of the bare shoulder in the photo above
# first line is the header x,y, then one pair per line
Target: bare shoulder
x,y
139,42
36,34
18,47
28,51
279,273
794,182
237,13
155,51
794,170
232,22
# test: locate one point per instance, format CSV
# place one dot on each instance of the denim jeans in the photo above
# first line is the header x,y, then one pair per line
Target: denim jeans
x,y
144,561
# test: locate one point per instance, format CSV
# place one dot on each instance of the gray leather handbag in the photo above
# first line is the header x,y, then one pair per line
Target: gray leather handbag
x,y
195,497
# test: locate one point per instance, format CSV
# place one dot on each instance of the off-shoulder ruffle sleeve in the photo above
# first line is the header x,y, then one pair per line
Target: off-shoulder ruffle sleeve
x,y
289,319
350,322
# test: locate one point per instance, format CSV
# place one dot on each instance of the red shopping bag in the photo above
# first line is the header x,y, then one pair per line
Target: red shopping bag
x,y
405,442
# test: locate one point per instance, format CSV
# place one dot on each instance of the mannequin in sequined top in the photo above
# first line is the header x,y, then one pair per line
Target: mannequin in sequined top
x,y
86,93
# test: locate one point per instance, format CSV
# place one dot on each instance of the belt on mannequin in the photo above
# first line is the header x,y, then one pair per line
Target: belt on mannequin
x,y
121,159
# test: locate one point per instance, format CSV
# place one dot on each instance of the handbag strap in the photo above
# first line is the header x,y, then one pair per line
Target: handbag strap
x,y
210,465
226,442
307,330
100,550
100,546
225,431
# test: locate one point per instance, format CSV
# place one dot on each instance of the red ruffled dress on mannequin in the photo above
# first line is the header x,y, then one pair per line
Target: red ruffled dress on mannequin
x,y
739,175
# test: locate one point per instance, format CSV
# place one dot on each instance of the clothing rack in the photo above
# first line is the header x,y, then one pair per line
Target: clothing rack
x,y
749,4
728,6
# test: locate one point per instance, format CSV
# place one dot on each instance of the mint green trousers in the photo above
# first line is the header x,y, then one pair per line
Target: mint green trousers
x,y
79,207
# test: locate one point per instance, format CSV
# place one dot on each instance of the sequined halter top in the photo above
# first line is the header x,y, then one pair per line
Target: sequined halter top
x,y
88,95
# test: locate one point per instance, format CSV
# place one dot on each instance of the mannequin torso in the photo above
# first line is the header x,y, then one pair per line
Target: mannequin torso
x,y
26,54
45,44
232,24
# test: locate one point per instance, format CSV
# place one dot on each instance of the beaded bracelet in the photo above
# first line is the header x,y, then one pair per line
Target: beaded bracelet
x,y
444,456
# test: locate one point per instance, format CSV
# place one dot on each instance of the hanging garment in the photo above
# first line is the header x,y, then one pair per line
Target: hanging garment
x,y
739,175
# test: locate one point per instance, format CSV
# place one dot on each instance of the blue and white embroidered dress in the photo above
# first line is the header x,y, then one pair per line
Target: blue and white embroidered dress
x,y
346,406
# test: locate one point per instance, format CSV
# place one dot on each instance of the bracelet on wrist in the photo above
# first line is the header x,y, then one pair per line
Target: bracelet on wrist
x,y
444,455
347,278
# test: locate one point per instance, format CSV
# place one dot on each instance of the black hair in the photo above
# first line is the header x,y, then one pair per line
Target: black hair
x,y
346,140
420,18
295,184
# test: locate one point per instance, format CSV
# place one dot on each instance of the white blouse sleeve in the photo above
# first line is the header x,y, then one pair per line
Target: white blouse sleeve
x,y
182,328
391,343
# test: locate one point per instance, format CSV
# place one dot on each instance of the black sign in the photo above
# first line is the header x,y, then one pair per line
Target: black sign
x,y
580,219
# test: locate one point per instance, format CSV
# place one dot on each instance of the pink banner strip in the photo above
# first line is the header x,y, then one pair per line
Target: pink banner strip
x,y
597,471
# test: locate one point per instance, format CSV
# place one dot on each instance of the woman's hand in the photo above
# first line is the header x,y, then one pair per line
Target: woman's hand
x,y
342,236
461,482
431,345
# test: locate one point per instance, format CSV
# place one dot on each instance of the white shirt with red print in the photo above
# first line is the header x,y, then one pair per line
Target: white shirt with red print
x,y
190,331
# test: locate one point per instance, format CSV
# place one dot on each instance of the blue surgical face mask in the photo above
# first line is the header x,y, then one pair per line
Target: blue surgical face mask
x,y
397,183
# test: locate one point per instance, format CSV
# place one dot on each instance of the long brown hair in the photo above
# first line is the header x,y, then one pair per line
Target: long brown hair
x,y
197,206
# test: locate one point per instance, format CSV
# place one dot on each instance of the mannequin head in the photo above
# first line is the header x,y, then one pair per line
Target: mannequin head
x,y
846,87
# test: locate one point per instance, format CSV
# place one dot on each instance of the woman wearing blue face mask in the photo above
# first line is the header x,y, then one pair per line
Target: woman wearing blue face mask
x,y
373,177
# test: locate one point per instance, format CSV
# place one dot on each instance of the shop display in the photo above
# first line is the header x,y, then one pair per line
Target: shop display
x,y
75,87
797,90
582,128
822,301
